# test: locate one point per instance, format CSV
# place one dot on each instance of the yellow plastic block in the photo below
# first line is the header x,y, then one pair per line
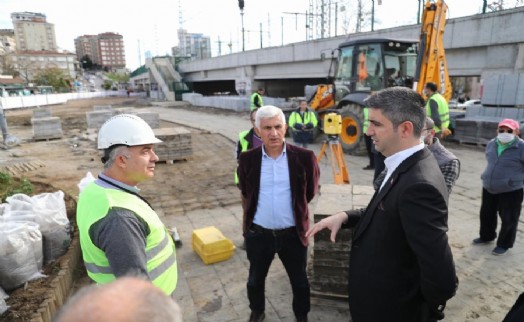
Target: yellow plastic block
x,y
211,245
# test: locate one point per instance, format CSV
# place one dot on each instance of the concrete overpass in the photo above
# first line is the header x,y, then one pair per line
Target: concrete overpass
x,y
476,46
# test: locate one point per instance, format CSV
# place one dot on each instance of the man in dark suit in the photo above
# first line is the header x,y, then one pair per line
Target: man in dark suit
x,y
277,181
401,266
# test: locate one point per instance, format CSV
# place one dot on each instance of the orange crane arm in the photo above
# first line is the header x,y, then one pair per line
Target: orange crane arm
x,y
431,62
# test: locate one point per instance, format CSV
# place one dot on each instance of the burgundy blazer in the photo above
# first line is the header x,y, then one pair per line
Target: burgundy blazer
x,y
303,178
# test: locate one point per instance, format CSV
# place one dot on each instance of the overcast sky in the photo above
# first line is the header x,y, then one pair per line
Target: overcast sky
x,y
152,25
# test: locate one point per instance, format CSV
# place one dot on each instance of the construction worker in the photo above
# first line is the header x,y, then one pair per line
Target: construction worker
x,y
368,141
437,108
302,122
256,98
8,139
247,139
120,233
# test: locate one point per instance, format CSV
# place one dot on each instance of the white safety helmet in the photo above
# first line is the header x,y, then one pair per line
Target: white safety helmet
x,y
125,129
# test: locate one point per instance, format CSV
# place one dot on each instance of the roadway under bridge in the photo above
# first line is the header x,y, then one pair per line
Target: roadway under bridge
x,y
476,47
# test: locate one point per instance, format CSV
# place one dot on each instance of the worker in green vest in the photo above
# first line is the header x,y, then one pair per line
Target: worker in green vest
x,y
437,109
120,233
247,139
302,124
368,141
256,99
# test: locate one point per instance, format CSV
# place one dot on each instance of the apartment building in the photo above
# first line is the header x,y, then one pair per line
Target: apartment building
x,y
196,46
106,49
35,47
33,32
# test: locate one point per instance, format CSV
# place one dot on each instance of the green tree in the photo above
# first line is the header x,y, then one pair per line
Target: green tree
x,y
118,77
53,77
107,84
86,62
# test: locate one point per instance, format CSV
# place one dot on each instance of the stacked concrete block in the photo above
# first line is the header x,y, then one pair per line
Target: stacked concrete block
x,y
40,112
124,110
151,118
102,108
176,144
95,119
46,128
330,266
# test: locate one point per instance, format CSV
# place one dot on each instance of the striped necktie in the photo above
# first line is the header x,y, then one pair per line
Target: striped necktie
x,y
378,182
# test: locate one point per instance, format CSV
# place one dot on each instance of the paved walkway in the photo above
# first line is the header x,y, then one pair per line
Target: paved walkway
x,y
488,284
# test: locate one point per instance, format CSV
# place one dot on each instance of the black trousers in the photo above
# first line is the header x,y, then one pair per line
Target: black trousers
x,y
261,248
507,205
369,149
379,163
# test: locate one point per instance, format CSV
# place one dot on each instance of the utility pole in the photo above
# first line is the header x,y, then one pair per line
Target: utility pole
x,y
219,46
261,35
282,29
241,6
306,14
372,15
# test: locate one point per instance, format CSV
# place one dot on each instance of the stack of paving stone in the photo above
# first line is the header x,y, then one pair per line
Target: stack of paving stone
x,y
46,126
124,110
176,144
41,112
151,118
102,108
329,270
95,119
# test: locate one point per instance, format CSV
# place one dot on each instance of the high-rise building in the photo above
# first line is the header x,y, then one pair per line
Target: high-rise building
x,y
106,49
36,48
33,32
87,45
196,46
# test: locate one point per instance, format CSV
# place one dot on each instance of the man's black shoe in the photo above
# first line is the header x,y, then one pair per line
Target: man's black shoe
x,y
302,318
368,167
257,316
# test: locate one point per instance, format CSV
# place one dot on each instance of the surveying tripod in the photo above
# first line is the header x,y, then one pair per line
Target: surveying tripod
x,y
338,163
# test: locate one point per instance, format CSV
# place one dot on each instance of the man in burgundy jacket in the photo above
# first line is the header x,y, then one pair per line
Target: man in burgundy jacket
x,y
277,181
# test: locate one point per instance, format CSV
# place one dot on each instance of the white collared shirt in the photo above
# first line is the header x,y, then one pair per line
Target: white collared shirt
x,y
392,162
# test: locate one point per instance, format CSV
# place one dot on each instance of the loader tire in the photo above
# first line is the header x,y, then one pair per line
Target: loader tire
x,y
352,137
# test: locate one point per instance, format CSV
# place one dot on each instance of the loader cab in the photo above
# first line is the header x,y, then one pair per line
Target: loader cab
x,y
368,65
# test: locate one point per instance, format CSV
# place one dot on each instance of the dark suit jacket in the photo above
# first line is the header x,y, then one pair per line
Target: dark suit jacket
x,y
401,266
303,178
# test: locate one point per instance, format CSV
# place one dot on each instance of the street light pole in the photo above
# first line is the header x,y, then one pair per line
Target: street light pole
x,y
241,6
243,33
372,15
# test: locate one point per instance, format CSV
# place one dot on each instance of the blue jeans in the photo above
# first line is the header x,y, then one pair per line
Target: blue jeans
x,y
261,248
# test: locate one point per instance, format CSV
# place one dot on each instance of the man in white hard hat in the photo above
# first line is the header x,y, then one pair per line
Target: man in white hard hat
x,y
120,233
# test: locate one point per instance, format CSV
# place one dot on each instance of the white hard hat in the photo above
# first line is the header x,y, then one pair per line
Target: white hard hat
x,y
125,129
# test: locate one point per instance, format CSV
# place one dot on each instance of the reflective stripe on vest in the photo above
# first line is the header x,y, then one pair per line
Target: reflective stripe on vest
x,y
94,204
443,110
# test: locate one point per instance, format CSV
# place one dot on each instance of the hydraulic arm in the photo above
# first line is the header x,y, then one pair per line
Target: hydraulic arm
x,y
431,60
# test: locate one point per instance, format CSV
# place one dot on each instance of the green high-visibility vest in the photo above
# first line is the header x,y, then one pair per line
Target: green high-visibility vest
x,y
309,117
443,110
93,204
366,120
244,145
260,100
